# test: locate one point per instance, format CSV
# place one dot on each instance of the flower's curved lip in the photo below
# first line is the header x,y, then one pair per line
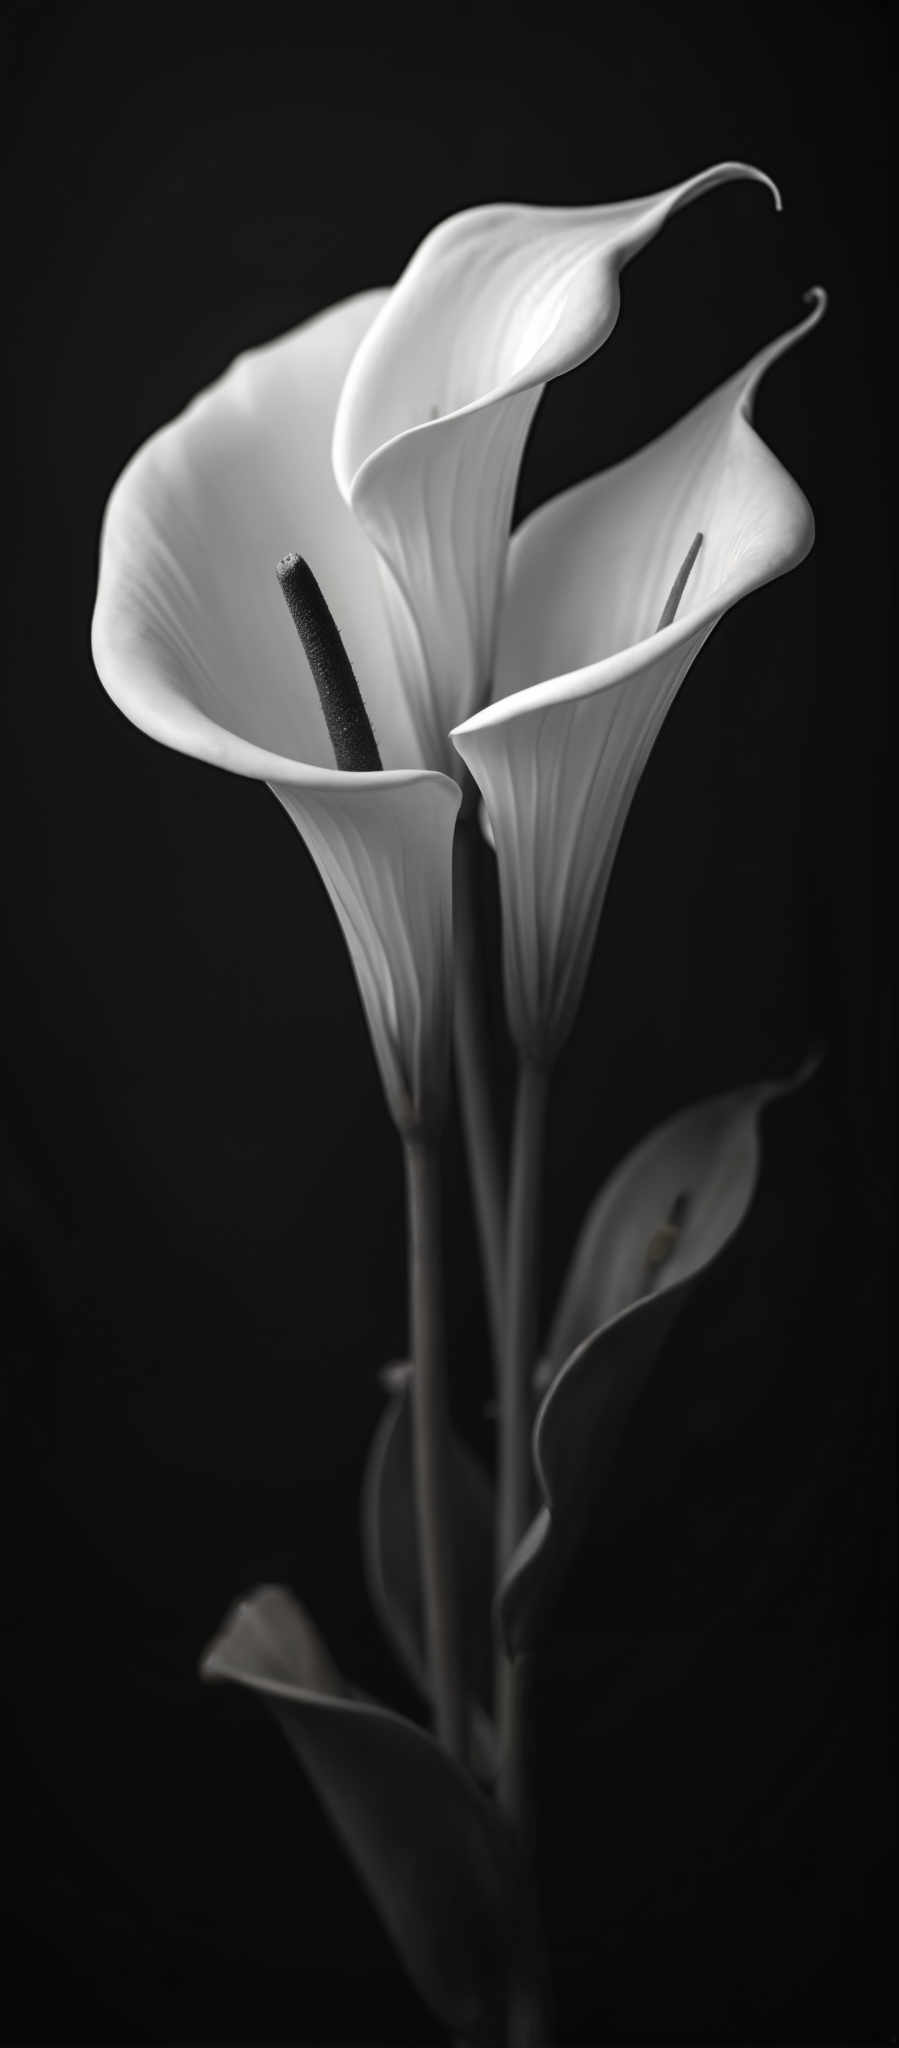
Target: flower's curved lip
x,y
582,344
140,684
159,711
614,671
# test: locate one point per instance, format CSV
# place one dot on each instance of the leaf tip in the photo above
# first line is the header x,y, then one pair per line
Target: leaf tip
x,y
395,1376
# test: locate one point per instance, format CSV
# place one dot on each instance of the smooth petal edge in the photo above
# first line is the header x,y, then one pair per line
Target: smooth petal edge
x,y
616,670
200,739
158,710
651,214
141,663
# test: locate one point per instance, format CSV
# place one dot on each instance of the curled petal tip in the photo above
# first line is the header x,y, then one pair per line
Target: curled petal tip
x,y
816,301
724,173
762,178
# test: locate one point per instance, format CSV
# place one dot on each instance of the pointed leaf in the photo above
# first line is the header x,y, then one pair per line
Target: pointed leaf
x,y
436,1860
666,1213
390,1552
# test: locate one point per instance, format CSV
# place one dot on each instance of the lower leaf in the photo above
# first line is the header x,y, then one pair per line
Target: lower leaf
x,y
437,1861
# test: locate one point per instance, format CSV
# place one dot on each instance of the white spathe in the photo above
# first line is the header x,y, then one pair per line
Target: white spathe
x,y
436,407
192,639
583,679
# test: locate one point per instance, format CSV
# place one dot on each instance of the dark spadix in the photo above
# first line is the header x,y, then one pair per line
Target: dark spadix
x,y
679,585
347,720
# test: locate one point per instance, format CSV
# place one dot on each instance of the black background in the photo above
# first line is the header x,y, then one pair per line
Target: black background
x,y
205,1200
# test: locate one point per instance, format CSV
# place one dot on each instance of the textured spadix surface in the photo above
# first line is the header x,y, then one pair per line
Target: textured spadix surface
x,y
192,640
584,680
436,408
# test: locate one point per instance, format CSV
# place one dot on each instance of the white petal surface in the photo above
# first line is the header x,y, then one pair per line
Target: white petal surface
x,y
383,845
558,760
193,641
436,408
191,633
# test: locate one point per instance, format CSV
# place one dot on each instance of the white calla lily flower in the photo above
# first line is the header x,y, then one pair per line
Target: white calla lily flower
x,y
193,641
437,405
382,442
585,677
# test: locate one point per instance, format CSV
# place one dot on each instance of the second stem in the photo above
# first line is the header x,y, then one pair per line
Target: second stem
x,y
431,1438
519,1357
520,1322
527,2025
476,1094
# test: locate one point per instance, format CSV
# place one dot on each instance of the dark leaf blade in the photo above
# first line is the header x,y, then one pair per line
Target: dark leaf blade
x,y
654,1230
707,1153
390,1554
437,1862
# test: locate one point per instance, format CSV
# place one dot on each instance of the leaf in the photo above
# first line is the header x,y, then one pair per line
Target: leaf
x,y
391,1557
436,1860
668,1210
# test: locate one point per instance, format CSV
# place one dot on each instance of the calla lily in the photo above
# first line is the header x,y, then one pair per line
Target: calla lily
x,y
436,408
192,640
584,678
427,393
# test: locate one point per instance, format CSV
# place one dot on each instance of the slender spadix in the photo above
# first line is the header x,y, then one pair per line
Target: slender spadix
x,y
669,609
348,722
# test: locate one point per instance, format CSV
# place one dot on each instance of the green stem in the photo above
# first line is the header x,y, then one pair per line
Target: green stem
x,y
431,1437
476,1098
520,1331
527,2012
526,2016
526,2020
515,1786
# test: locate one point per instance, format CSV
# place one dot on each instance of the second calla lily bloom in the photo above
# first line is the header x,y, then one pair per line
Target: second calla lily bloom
x,y
612,590
437,405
